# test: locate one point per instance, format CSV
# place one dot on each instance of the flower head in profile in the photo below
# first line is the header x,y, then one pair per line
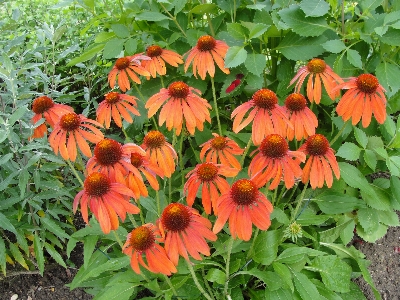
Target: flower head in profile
x,y
160,152
185,232
302,118
142,242
44,106
207,51
267,116
106,199
321,71
365,96
244,205
71,130
183,104
113,159
321,163
159,57
221,150
125,68
209,176
142,163
115,106
275,160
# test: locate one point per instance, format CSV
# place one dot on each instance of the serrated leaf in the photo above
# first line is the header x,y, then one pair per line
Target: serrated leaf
x,y
89,244
296,47
349,151
88,54
368,219
314,8
2,256
235,56
53,227
255,63
236,31
354,58
104,36
113,48
389,218
387,74
131,46
302,25
255,29
216,275
361,137
295,254
391,37
353,177
120,30
281,294
17,255
334,203
71,245
38,249
334,46
117,291
395,188
269,278
332,234
335,273
204,8
284,273
370,158
305,287
380,201
151,16
23,181
54,254
266,246
373,235
6,224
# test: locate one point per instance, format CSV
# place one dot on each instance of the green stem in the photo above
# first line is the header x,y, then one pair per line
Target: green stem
x,y
196,281
228,260
338,134
118,239
132,219
280,195
158,203
171,286
162,81
181,158
216,106
210,25
127,138
250,252
173,19
246,150
299,202
206,283
142,99
74,171
141,212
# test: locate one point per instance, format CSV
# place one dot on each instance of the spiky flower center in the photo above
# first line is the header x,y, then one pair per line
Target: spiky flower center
x,y
153,51
274,146
207,172
154,139
295,102
142,238
178,89
219,143
70,122
316,65
367,83
136,159
317,144
108,152
122,63
42,104
265,98
97,184
244,192
176,217
206,43
112,98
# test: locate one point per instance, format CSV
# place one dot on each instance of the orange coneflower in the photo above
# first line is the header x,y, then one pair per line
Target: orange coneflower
x,y
116,105
106,199
125,68
209,175
76,128
183,102
204,54
141,162
185,231
274,160
268,116
318,68
113,159
160,152
321,162
142,241
221,150
303,119
44,106
364,97
159,57
244,205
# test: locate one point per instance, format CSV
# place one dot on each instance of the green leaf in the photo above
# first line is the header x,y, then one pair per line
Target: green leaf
x,y
314,8
355,293
361,137
151,16
349,151
5,158
334,203
255,63
54,254
281,294
23,179
389,218
395,188
387,74
334,46
38,249
370,159
302,25
255,29
284,273
216,275
305,287
89,244
368,219
373,235
17,255
332,234
235,56
2,256
113,48
266,246
88,54
354,58
325,292
131,46
6,224
71,245
296,47
269,278
104,36
380,200
120,30
335,273
369,5
202,9
236,31
295,254
353,177
391,37
17,115
117,291
53,227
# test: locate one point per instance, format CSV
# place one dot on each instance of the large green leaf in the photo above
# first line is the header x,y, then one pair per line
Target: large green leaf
x,y
113,48
236,30
6,224
331,202
296,47
305,287
295,254
54,254
354,178
255,63
120,30
235,56
266,246
117,291
151,16
314,8
391,37
334,46
388,75
269,278
349,151
38,249
53,227
88,54
284,273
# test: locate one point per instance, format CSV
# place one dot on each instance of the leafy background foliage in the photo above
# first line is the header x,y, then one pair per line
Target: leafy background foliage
x,y
66,53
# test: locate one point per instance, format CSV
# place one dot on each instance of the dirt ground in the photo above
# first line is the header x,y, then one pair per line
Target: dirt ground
x,y
384,256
